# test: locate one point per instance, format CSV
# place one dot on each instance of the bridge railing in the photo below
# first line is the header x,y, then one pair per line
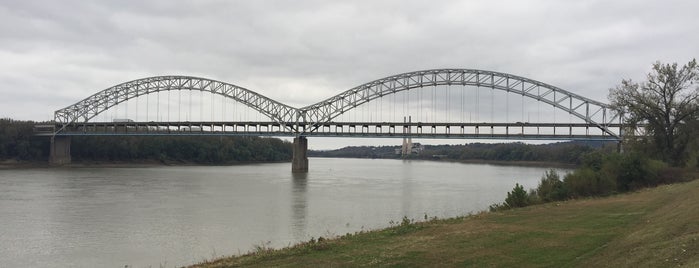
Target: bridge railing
x,y
519,130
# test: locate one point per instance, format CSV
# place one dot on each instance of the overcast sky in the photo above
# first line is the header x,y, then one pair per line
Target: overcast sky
x,y
55,53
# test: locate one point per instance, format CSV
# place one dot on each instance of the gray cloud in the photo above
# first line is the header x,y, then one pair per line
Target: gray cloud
x,y
56,53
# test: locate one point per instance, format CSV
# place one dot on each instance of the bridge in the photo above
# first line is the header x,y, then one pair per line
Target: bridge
x,y
429,104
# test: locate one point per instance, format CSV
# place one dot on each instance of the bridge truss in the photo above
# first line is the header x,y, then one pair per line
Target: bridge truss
x,y
321,119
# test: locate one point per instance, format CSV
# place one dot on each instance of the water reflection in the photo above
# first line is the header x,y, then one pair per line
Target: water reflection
x,y
407,188
299,206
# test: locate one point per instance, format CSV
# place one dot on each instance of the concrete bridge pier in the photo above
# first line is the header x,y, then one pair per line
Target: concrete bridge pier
x,y
299,162
60,150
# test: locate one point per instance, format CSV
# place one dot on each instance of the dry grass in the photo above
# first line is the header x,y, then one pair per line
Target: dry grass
x,y
654,227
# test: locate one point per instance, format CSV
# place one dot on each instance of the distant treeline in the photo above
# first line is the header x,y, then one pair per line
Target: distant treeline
x,y
200,149
17,142
562,152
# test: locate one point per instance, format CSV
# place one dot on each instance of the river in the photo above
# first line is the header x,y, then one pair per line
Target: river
x,y
173,216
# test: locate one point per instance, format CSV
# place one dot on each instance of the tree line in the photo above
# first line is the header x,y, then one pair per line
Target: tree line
x,y
562,152
666,107
18,142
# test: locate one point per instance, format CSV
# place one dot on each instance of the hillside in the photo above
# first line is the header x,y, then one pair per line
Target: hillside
x,y
656,227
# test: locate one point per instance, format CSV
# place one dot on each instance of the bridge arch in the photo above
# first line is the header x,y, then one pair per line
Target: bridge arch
x,y
99,102
589,110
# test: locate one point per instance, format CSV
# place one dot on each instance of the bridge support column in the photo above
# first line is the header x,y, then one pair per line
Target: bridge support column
x,y
60,150
299,162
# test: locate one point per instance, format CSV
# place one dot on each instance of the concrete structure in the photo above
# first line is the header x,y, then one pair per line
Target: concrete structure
x,y
60,150
407,148
299,162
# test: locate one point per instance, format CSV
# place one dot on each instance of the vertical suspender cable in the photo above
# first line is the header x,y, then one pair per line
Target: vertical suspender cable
x,y
235,109
447,99
477,103
523,106
135,110
462,103
179,105
434,104
189,115
201,105
492,105
507,106
553,106
420,118
147,103
126,104
393,103
157,110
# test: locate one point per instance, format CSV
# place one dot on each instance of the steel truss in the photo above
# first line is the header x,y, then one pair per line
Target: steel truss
x,y
590,111
91,106
306,120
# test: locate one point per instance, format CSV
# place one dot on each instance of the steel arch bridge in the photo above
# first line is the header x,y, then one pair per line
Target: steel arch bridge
x,y
305,120
319,119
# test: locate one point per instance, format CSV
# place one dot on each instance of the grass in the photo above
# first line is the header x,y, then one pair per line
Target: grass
x,y
656,227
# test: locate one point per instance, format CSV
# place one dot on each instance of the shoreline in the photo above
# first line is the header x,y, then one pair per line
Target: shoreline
x,y
514,163
481,161
15,164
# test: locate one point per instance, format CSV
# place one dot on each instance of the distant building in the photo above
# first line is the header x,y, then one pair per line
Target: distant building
x,y
409,148
417,148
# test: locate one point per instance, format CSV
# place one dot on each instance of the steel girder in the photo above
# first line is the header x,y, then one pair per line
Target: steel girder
x,y
590,111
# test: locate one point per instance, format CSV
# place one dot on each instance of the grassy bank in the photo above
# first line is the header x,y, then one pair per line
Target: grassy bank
x,y
656,227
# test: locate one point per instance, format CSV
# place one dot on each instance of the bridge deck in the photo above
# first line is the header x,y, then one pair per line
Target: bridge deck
x,y
446,130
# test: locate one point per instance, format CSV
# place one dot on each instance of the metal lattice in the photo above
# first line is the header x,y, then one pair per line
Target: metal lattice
x,y
590,111
91,106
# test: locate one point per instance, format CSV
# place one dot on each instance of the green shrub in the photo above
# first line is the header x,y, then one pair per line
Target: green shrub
x,y
579,182
551,187
586,182
603,174
518,197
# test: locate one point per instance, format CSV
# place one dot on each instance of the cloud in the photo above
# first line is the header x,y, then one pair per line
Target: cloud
x,y
303,51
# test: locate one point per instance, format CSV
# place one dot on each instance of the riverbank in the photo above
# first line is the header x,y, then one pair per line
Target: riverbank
x,y
515,163
656,227
480,161
14,164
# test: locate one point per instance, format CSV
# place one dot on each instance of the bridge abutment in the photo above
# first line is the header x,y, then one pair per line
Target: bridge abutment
x,y
299,162
60,150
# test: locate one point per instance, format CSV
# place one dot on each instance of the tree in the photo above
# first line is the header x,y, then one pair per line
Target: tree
x,y
664,104
518,197
551,187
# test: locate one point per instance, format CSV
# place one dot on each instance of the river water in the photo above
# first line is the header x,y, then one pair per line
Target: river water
x,y
174,216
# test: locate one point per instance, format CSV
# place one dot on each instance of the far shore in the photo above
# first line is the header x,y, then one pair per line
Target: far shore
x,y
15,164
482,161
